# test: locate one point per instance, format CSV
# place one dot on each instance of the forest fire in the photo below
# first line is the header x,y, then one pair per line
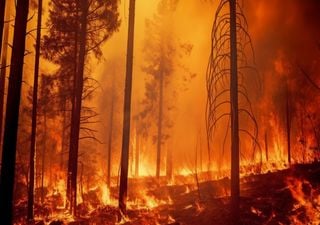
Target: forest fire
x,y
307,207
162,112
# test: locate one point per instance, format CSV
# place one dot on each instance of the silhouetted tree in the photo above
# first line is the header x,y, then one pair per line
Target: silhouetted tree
x,y
3,69
77,29
34,116
2,13
12,113
227,65
162,53
127,113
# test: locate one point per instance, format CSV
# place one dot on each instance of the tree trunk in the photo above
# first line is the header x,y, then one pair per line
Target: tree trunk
x,y
12,113
110,136
34,116
76,112
72,119
3,69
160,118
127,113
235,181
2,11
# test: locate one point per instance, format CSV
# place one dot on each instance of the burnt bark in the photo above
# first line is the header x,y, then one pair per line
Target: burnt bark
x,y
2,11
235,183
76,109
3,69
34,117
12,113
127,112
71,139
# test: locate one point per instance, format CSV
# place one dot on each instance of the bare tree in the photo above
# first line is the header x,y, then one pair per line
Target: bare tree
x,y
127,113
2,12
226,86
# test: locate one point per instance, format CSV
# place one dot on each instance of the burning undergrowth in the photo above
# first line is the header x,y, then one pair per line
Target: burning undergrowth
x,y
290,196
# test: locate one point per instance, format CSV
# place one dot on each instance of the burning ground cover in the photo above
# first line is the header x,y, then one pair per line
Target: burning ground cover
x,y
290,196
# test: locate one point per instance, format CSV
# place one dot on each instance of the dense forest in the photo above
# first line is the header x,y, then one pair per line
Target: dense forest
x,y
159,112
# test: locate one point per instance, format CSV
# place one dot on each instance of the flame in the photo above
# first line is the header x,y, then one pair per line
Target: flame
x,y
307,198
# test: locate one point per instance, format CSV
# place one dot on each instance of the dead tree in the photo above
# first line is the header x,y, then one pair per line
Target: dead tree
x,y
226,86
127,113
12,113
3,68
34,117
2,12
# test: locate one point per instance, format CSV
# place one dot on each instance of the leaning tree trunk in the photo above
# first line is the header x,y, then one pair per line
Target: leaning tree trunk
x,y
235,181
3,68
12,113
34,116
76,113
127,113
2,11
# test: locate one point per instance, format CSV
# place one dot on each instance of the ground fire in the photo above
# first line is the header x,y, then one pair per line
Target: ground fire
x,y
163,112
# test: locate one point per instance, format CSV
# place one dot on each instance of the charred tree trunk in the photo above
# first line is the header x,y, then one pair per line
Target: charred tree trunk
x,y
3,69
160,118
2,11
110,137
34,117
12,113
71,147
127,113
235,181
76,112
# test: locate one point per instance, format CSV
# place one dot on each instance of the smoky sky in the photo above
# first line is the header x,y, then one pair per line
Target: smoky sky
x,y
290,26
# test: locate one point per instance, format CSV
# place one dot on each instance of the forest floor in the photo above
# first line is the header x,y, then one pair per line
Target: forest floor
x,y
290,196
